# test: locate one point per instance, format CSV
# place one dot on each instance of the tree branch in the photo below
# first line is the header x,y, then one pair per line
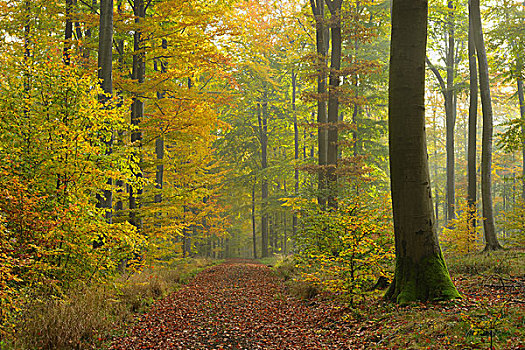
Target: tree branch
x,y
437,74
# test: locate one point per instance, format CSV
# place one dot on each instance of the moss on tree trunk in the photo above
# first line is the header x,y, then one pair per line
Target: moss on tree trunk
x,y
426,280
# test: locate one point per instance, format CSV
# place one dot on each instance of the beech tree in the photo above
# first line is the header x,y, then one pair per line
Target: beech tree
x,y
448,89
489,229
333,99
321,38
420,272
105,74
472,127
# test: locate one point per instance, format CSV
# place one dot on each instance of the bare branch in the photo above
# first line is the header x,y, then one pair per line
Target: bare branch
x,y
437,74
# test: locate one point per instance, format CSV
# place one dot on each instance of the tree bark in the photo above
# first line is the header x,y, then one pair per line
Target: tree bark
x,y
491,239
68,34
159,141
296,148
105,75
262,112
137,112
436,204
333,100
522,114
472,129
420,272
254,234
322,51
105,46
450,108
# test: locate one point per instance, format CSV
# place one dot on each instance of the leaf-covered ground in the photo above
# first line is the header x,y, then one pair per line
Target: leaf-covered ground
x,y
236,305
243,305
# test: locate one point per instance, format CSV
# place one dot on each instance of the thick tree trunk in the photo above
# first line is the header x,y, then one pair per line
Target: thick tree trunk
x,y
333,100
296,148
486,142
472,129
420,272
322,51
137,112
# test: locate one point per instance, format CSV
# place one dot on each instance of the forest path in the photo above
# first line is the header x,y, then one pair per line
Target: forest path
x,y
236,305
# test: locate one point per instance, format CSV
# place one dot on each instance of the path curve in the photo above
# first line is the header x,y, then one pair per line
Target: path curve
x,y
236,306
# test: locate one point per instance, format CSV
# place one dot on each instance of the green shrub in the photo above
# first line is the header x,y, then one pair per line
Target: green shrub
x,y
344,251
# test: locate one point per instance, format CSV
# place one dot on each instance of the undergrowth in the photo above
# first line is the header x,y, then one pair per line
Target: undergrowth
x,y
490,315
90,316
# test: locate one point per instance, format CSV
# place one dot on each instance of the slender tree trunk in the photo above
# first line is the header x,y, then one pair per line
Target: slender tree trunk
x,y
119,205
105,75
27,35
137,112
27,72
420,272
449,96
436,172
450,108
86,52
105,46
472,129
263,129
486,142
296,147
322,50
355,114
285,234
254,233
68,34
522,114
333,100
159,142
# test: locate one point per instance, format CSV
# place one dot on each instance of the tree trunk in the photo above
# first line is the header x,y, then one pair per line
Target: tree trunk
x,y
450,109
285,234
436,204
486,142
333,101
522,114
472,129
137,112
296,147
448,91
420,272
262,112
68,34
322,50
254,235
105,46
105,75
119,205
159,142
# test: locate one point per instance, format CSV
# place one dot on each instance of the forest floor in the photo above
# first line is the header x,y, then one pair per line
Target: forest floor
x,y
242,304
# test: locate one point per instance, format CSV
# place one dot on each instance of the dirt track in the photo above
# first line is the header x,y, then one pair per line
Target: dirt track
x,y
236,305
